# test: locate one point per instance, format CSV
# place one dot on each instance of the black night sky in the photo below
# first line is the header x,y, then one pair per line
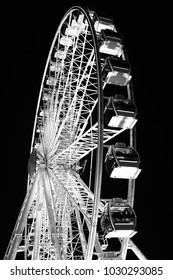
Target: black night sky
x,y
29,31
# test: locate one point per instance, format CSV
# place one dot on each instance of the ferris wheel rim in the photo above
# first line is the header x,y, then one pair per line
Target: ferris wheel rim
x,y
99,155
85,11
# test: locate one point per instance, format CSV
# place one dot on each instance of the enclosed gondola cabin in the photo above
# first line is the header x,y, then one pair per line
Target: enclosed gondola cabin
x,y
101,21
110,43
119,112
122,162
118,219
116,71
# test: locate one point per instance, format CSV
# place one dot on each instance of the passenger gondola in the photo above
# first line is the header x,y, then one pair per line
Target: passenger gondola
x,y
122,161
120,112
101,21
116,71
110,43
118,219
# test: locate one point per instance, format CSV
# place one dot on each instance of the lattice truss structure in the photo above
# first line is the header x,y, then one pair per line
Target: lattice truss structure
x,y
60,215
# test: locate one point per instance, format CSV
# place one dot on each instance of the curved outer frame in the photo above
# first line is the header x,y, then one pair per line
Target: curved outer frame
x,y
99,156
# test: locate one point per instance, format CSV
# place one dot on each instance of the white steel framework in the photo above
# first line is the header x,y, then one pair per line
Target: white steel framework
x,y
59,216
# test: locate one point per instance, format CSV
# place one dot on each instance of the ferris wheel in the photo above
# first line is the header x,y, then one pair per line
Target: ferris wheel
x,y
85,101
